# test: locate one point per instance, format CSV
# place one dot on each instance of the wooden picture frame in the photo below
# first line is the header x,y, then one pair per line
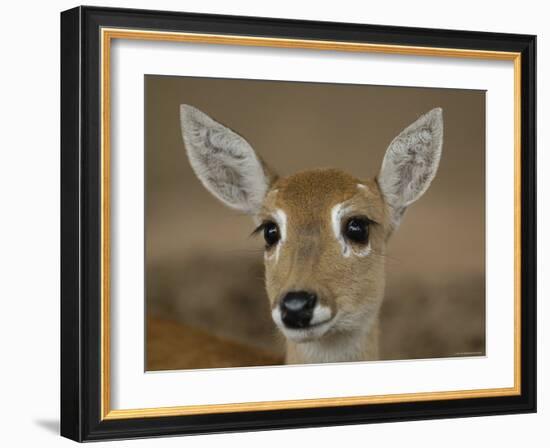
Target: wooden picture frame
x,y
86,36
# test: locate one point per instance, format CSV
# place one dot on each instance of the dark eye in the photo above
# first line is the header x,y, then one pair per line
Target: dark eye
x,y
357,230
271,233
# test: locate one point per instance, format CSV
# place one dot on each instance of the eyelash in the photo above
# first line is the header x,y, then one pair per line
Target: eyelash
x,y
259,229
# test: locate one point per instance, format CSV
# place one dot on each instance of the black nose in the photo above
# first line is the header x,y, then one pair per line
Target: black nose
x,y
297,308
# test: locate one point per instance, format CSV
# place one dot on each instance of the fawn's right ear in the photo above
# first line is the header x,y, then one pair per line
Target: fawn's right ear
x,y
224,161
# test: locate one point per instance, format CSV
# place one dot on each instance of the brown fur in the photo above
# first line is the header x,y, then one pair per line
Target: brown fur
x,y
311,257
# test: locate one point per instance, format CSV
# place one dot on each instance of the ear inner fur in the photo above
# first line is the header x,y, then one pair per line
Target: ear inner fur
x,y
411,162
224,161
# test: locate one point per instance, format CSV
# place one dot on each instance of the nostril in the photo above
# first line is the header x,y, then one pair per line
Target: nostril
x,y
297,308
312,300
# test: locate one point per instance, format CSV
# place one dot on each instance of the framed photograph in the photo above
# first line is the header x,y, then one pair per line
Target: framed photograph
x,y
272,223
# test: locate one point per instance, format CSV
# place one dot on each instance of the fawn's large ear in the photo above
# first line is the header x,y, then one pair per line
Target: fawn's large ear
x,y
411,162
224,161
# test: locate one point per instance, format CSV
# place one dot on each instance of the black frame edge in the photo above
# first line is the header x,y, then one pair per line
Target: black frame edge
x,y
80,224
71,381
529,222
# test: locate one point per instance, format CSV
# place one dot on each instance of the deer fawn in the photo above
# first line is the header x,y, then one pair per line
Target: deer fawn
x,y
325,231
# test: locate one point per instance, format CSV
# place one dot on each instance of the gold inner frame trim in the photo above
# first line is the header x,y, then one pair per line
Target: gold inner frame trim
x,y
107,35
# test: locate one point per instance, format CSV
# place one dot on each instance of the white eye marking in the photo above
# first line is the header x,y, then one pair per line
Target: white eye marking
x,y
336,219
361,186
280,219
336,215
363,252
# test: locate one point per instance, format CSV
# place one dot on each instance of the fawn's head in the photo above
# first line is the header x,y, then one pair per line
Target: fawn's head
x,y
325,231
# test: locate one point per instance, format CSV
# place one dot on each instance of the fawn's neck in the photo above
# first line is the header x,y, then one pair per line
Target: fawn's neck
x,y
361,345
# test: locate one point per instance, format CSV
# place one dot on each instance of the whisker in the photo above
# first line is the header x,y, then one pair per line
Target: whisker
x,y
386,256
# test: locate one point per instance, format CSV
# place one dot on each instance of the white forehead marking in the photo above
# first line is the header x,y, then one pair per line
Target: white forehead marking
x,y
280,218
336,215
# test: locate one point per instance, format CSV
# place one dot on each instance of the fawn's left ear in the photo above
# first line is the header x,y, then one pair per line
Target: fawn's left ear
x,y
411,162
224,161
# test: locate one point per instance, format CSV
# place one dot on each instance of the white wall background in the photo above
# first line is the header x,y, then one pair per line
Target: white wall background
x,y
29,223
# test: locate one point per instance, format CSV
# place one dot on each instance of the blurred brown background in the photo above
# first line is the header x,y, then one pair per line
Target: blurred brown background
x,y
206,304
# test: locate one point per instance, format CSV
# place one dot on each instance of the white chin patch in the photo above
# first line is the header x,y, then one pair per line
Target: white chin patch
x,y
321,323
321,314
